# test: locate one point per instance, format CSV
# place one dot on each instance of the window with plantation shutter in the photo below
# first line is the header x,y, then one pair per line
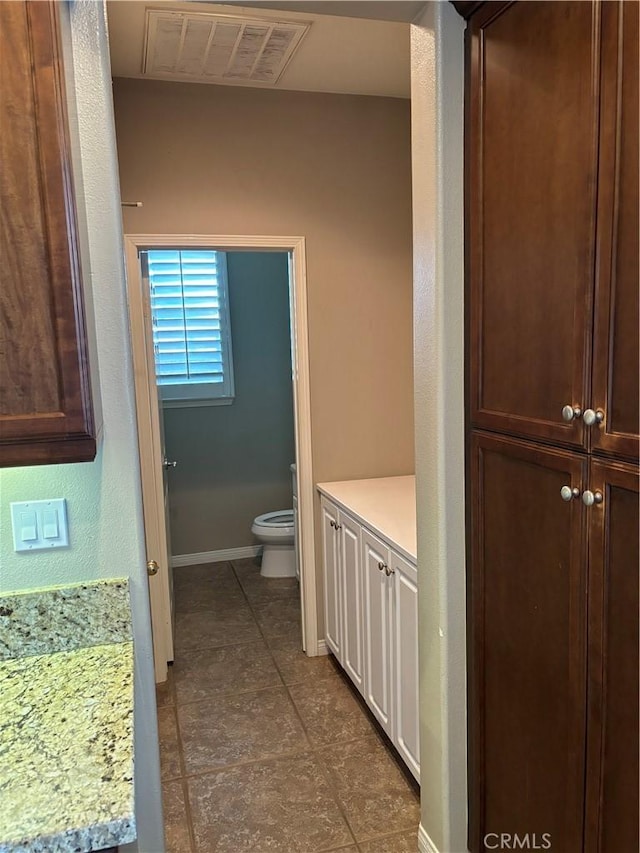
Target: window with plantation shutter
x,y
191,328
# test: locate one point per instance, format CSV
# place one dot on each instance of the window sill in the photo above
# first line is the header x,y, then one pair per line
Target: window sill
x,y
191,404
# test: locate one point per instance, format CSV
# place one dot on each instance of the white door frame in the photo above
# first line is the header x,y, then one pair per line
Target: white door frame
x,y
148,430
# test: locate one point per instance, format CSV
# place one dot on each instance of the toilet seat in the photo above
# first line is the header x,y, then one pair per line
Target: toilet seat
x,y
277,520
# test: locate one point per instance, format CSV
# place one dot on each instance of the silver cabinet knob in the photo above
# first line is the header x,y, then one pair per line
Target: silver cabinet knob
x,y
567,493
332,523
382,566
570,413
389,571
592,417
166,464
590,498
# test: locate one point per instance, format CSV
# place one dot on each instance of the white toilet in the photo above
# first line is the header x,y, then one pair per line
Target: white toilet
x,y
276,532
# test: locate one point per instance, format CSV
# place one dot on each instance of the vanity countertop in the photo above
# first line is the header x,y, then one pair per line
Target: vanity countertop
x,y
66,719
386,505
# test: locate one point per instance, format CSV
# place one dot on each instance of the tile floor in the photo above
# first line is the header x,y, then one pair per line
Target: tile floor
x,y
262,748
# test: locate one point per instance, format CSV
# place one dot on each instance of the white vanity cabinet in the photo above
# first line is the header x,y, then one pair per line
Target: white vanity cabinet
x,y
332,584
391,645
371,613
350,546
343,598
378,604
406,732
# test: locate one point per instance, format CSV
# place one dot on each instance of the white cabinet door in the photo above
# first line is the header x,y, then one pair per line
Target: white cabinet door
x,y
352,598
377,618
405,617
332,591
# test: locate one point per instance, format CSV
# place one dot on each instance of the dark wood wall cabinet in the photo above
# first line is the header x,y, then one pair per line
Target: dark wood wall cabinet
x,y
553,423
45,401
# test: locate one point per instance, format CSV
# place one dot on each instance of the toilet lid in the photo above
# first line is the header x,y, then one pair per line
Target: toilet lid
x,y
280,518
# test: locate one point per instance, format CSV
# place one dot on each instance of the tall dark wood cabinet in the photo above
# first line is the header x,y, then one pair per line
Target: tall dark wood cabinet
x,y
553,423
45,401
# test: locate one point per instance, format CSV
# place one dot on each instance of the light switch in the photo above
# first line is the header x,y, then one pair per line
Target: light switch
x,y
28,529
39,525
50,524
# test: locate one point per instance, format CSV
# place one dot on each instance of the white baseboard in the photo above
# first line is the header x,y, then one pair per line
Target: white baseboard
x,y
322,647
425,844
215,556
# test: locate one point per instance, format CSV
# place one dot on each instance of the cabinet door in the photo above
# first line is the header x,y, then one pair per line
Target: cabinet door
x,y
45,405
377,620
528,681
406,728
532,166
352,597
332,583
616,352
612,769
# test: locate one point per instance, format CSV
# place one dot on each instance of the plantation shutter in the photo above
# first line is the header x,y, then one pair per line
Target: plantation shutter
x,y
191,330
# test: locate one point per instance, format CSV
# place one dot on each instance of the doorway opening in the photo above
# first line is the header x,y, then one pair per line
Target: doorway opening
x,y
154,464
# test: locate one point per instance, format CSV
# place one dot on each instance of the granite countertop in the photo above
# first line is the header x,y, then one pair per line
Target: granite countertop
x,y
386,505
66,719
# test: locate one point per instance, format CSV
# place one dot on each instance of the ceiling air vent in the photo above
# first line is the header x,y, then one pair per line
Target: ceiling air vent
x,y
206,48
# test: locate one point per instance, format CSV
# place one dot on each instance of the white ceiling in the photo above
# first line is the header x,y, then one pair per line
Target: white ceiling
x,y
339,54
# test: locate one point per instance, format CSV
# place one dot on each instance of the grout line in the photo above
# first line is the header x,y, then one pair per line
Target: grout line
x,y
231,644
226,695
332,786
220,646
185,787
183,766
271,758
310,749
187,811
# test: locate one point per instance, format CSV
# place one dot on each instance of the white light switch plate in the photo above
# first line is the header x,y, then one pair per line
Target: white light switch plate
x,y
39,525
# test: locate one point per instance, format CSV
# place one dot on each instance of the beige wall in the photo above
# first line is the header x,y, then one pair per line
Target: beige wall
x,y
335,169
233,461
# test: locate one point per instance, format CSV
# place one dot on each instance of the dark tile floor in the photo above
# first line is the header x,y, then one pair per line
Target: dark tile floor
x,y
262,748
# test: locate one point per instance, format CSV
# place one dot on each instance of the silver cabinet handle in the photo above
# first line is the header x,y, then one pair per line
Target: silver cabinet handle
x,y
382,566
166,464
590,498
389,571
570,413
568,494
591,417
